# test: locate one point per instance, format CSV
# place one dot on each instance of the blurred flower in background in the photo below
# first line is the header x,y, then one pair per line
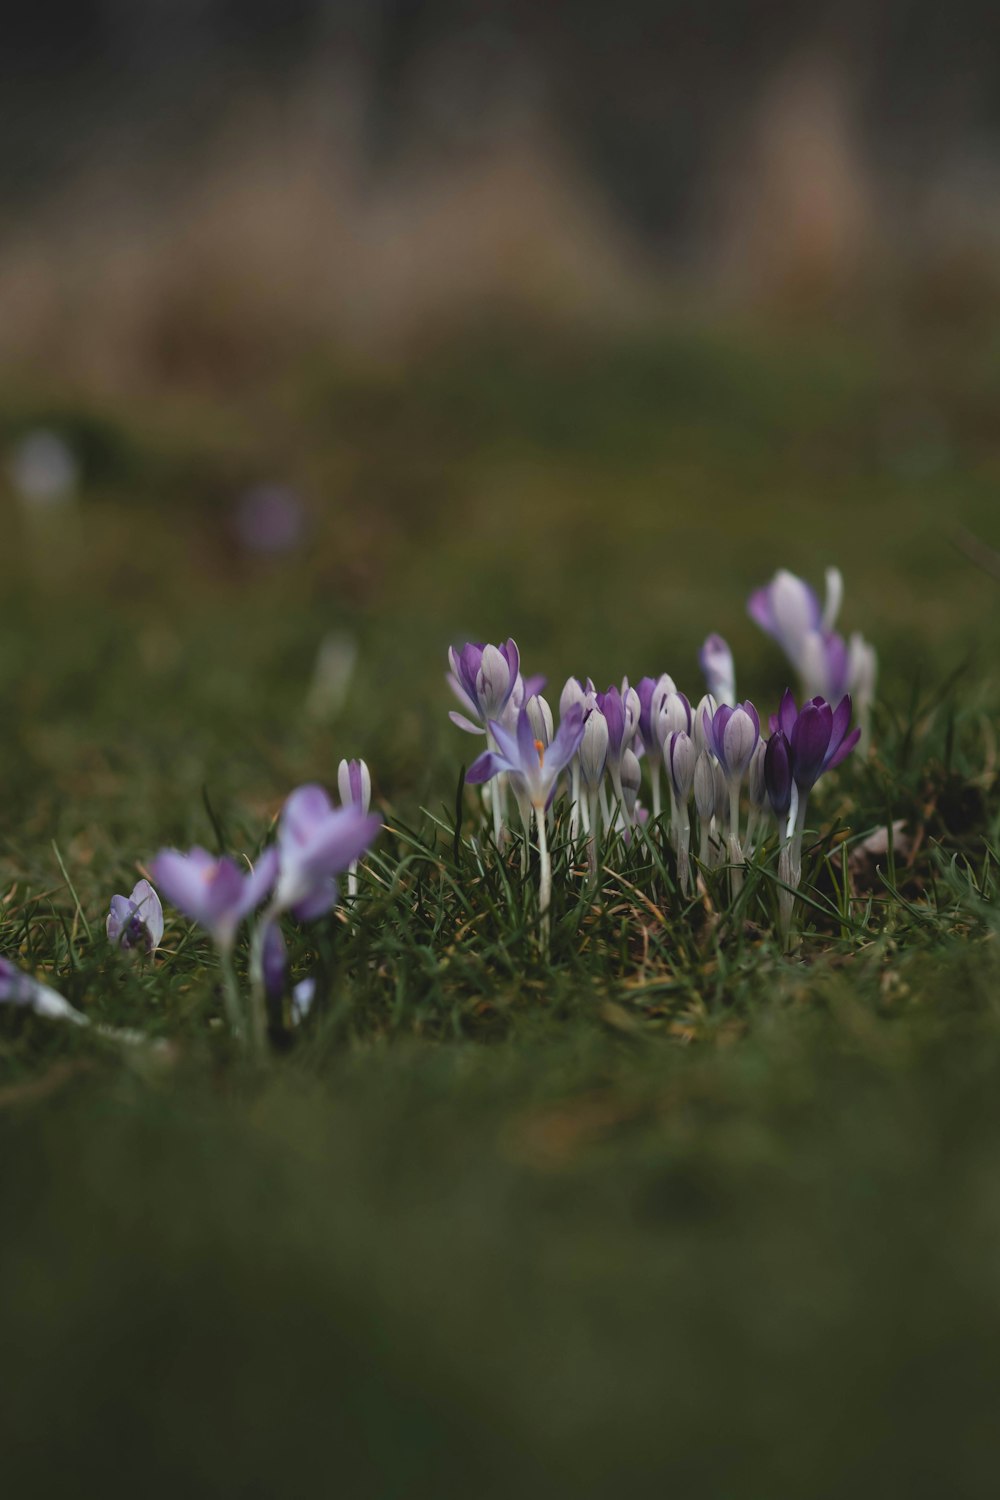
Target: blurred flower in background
x,y
270,520
44,470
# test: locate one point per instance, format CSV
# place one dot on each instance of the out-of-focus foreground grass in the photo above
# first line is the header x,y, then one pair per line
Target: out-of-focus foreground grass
x,y
585,1258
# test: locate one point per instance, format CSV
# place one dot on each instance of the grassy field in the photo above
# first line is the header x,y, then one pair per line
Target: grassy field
x,y
668,1212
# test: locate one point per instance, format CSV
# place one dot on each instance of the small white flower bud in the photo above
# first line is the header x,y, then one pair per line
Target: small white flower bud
x,y
593,750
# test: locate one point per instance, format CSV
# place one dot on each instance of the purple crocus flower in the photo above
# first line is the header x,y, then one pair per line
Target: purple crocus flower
x,y
274,961
354,783
317,842
136,921
789,610
778,778
215,893
719,670
732,735
817,736
483,678
269,519
652,692
18,988
534,766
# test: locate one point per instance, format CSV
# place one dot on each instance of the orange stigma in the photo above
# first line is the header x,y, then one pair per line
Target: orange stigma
x,y
540,747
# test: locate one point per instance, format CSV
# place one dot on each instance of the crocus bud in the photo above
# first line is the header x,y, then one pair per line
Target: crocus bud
x,y
593,752
720,672
631,780
354,783
495,681
740,731
573,692
540,715
136,921
756,785
778,774
721,795
704,786
674,717
704,715
651,693
681,757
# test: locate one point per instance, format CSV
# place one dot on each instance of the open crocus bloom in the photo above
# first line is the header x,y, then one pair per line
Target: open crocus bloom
x,y
533,766
817,736
317,841
136,921
215,893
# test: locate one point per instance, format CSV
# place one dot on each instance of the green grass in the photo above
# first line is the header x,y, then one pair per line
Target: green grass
x,y
667,1211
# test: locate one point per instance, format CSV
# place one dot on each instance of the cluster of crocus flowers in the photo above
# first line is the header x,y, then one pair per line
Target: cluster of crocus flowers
x,y
297,876
713,757
828,666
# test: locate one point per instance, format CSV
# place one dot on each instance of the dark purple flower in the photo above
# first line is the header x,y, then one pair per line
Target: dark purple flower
x,y
483,678
817,735
620,706
274,961
215,893
136,921
778,774
533,767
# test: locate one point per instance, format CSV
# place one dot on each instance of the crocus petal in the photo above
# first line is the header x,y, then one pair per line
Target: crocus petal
x,y
810,740
258,883
834,596
843,751
147,904
485,767
778,773
567,741
322,899
464,723
274,961
787,713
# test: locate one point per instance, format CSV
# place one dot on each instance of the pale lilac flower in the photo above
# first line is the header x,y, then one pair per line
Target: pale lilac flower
x,y
269,519
534,768
734,734
18,988
354,783
136,921
303,995
315,843
719,669
483,678
703,714
215,893
620,707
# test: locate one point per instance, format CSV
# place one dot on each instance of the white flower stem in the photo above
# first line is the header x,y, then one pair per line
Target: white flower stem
x,y
544,874
593,851
735,852
684,849
654,781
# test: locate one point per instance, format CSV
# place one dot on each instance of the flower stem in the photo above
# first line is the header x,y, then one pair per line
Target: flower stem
x,y
231,995
544,874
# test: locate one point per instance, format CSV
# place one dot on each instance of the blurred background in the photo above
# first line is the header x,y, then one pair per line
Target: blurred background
x,y
197,188
332,331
